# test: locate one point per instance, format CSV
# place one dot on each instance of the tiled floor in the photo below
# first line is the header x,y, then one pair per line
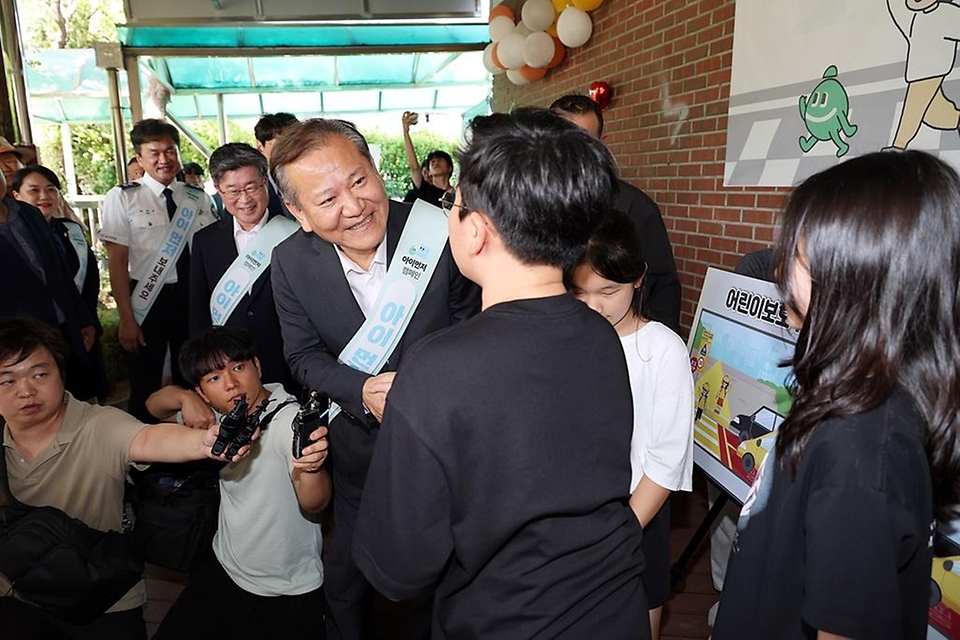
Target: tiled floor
x,y
685,615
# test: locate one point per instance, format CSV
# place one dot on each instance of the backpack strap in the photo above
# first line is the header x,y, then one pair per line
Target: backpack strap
x,y
265,420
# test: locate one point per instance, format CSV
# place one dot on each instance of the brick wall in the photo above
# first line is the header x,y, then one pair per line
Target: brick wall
x,y
660,57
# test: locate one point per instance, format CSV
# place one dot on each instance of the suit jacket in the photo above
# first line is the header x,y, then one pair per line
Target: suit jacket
x,y
25,293
90,292
661,287
319,315
214,250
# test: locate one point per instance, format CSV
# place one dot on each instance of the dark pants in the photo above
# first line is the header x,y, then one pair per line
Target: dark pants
x,y
213,606
19,621
349,595
165,325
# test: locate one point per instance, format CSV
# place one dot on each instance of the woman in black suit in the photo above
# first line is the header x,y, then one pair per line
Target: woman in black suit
x,y
40,187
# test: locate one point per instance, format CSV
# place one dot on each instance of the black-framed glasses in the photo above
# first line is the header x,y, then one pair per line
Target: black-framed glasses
x,y
250,191
449,201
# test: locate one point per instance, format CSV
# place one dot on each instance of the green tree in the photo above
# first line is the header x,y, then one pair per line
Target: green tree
x,y
68,24
393,159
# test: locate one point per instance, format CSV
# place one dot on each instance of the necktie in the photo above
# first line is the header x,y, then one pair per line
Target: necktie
x,y
183,264
171,205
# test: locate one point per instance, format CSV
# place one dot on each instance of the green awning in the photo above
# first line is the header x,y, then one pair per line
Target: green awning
x,y
396,37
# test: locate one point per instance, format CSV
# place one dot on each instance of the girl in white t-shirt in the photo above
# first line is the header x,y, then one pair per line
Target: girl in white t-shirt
x,y
609,279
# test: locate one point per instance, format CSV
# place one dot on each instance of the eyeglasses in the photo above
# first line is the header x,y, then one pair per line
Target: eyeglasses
x,y
449,201
249,191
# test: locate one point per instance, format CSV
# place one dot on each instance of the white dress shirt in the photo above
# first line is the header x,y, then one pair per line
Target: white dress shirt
x,y
243,238
366,283
136,217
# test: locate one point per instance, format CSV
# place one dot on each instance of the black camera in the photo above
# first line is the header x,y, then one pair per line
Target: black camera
x,y
307,420
237,427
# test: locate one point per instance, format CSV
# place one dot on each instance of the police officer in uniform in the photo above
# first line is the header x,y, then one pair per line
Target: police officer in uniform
x,y
137,220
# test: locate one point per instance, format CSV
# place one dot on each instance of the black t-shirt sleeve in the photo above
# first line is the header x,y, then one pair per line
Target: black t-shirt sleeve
x,y
857,541
403,537
430,193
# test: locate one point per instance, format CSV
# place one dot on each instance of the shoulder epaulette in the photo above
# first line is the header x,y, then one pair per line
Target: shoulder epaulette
x,y
129,185
190,186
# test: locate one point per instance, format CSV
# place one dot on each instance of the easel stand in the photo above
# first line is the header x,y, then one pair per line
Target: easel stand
x,y
679,568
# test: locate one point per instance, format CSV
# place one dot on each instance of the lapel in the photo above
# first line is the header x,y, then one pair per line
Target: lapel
x,y
227,254
265,276
8,249
327,275
43,241
395,223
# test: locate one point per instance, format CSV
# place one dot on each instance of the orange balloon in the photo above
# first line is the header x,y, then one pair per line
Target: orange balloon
x,y
552,30
531,74
560,5
495,58
501,10
558,53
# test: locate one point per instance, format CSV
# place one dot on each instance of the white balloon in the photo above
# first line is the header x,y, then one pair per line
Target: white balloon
x,y
510,51
514,76
500,27
488,60
537,15
538,49
574,27
522,29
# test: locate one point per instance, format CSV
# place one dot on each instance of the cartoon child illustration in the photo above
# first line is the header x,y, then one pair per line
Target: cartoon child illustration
x,y
824,112
722,394
931,29
702,400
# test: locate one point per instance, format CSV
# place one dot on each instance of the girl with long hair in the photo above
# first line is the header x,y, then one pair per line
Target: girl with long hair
x,y
835,538
609,279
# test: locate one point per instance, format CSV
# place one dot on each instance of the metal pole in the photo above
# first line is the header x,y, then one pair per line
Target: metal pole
x,y
132,65
116,119
69,165
11,36
221,120
189,134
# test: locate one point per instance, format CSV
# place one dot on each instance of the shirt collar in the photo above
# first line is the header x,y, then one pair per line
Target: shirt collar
x,y
155,187
379,258
237,229
68,427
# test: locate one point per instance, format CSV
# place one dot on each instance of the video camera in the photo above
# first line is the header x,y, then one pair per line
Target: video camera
x,y
307,420
237,427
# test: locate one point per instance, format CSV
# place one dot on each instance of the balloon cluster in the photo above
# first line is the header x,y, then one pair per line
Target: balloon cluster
x,y
526,50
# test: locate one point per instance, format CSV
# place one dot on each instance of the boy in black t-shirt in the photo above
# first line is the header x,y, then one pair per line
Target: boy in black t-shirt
x,y
508,491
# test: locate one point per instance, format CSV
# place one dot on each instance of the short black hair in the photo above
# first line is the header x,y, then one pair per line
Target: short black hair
x,y
193,169
271,125
212,350
577,104
614,253
21,336
233,156
152,130
441,155
17,181
544,182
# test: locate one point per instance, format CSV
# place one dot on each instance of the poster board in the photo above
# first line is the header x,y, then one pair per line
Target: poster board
x,y
738,339
838,80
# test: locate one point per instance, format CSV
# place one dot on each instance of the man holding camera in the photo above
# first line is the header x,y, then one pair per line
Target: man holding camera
x,y
265,577
64,453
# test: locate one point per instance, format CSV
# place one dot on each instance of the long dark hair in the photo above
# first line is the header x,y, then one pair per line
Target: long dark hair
x,y
615,254
881,235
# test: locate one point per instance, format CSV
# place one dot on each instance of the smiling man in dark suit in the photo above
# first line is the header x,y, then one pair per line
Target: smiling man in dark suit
x,y
326,281
239,173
